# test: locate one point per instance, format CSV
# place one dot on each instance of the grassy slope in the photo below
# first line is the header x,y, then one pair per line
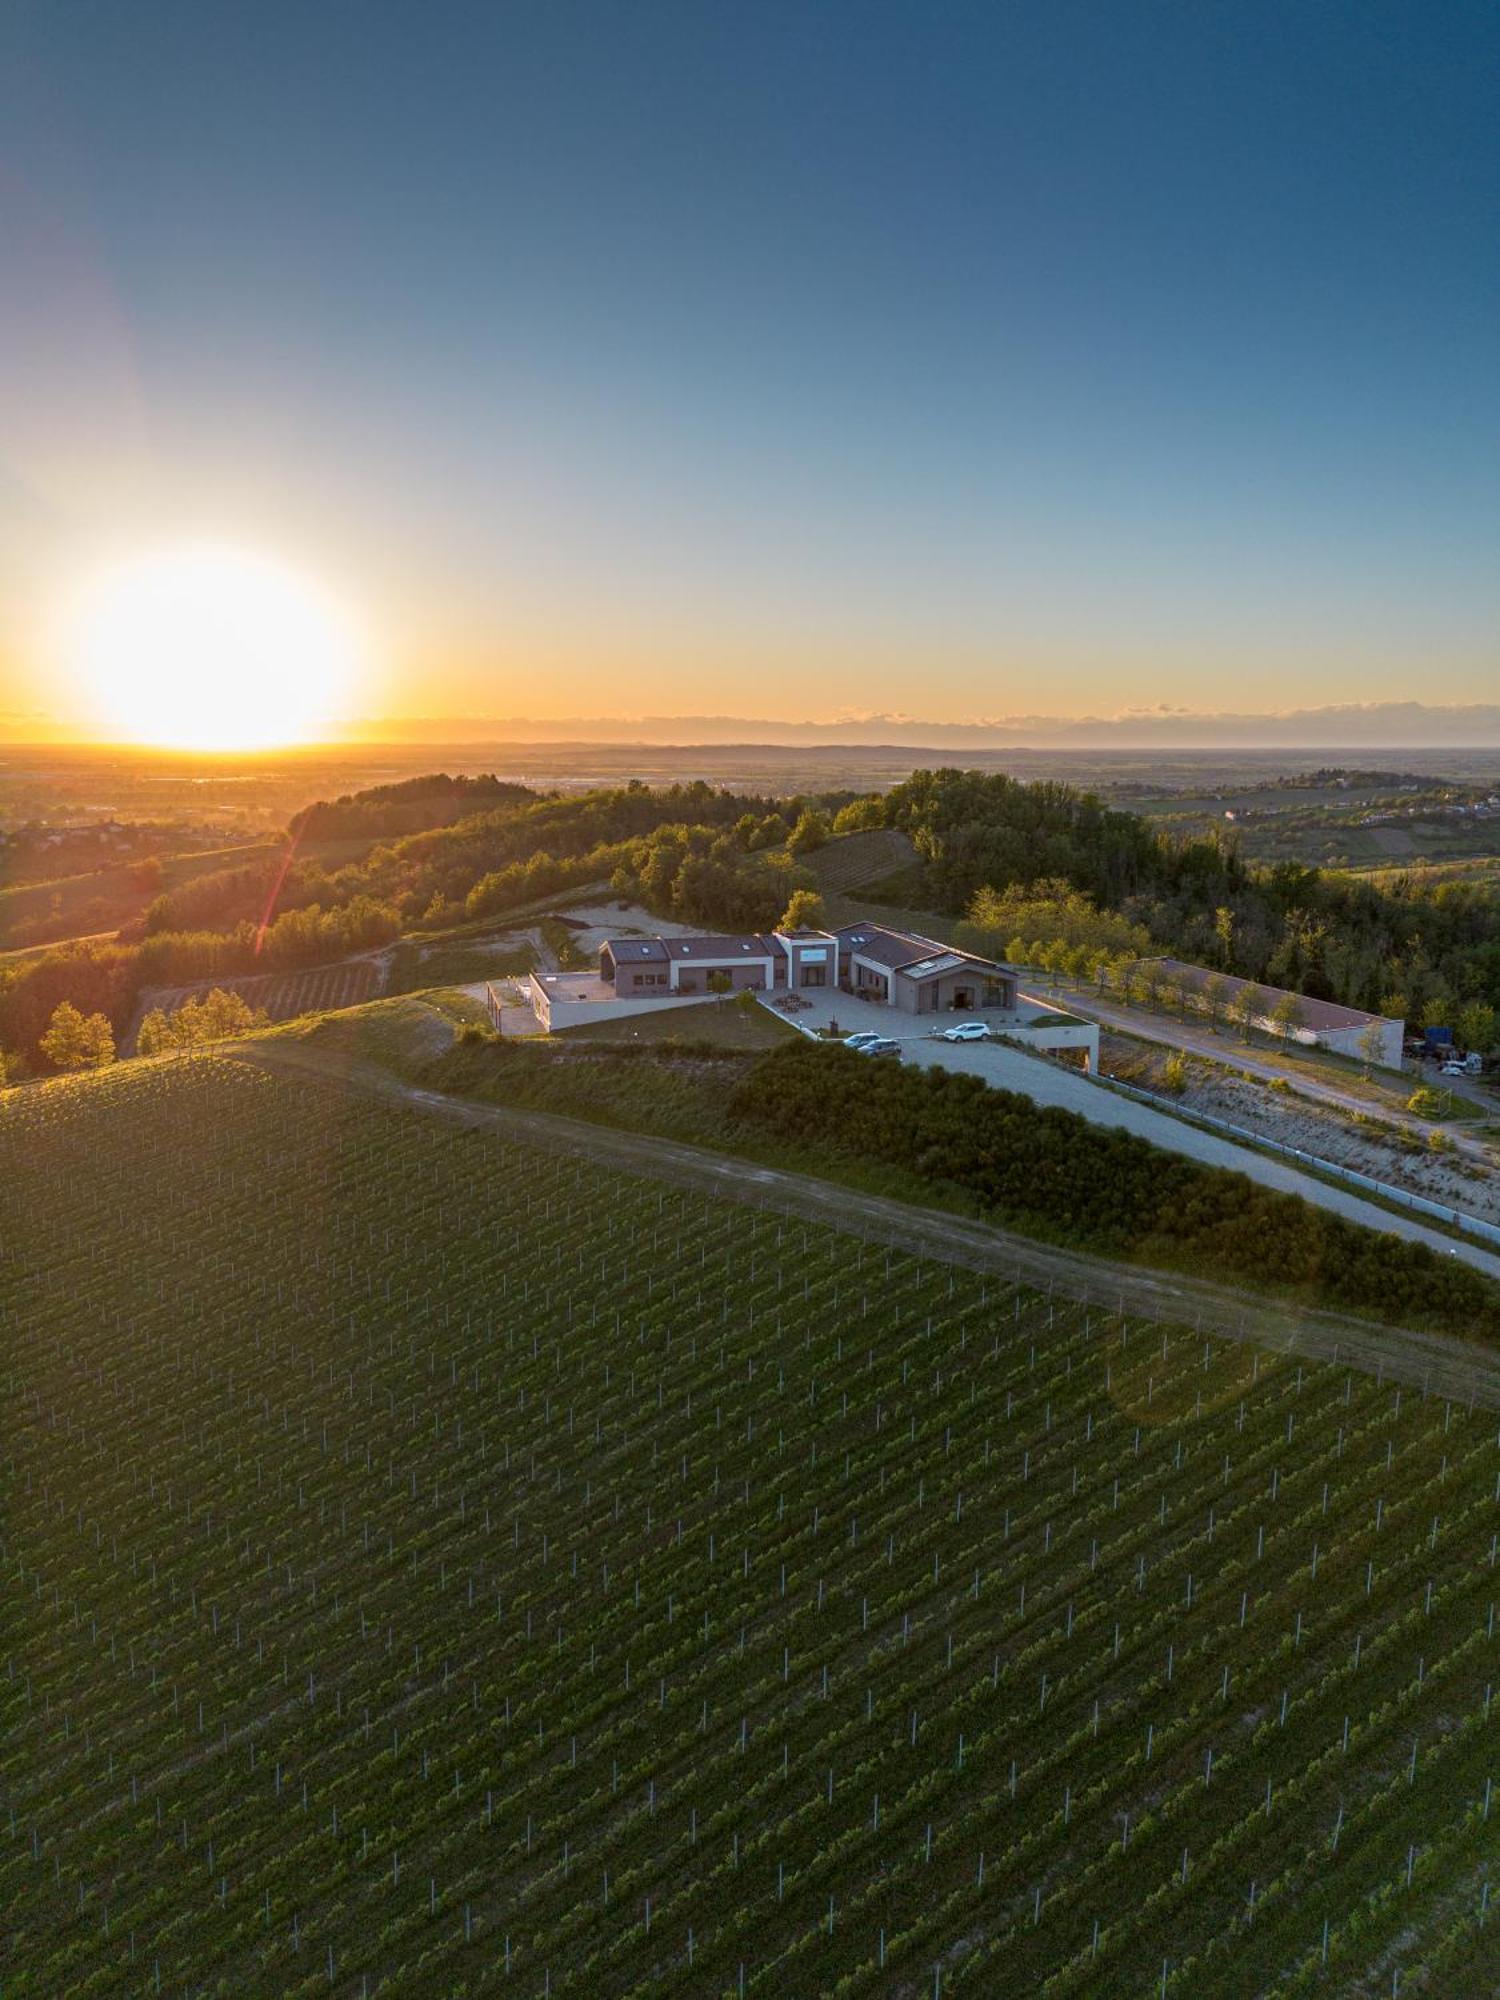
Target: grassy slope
x,y
405,1534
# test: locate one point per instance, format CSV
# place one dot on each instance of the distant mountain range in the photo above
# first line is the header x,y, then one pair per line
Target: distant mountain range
x,y
1343,726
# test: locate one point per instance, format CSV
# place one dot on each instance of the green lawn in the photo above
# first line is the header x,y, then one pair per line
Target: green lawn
x,y
725,1023
416,967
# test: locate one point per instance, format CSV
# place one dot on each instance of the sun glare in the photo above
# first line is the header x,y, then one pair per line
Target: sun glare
x,y
208,649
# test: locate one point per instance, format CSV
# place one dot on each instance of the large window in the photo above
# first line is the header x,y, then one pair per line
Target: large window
x,y
815,975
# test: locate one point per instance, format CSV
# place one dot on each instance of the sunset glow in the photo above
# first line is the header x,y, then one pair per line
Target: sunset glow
x,y
208,648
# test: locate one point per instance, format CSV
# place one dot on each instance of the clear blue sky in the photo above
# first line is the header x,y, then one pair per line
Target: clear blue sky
x,y
774,359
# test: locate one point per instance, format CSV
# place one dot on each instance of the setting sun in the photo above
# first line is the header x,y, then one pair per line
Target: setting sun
x,y
208,649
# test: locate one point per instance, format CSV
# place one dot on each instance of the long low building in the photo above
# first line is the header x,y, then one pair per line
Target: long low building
x,y
904,970
1319,1023
873,962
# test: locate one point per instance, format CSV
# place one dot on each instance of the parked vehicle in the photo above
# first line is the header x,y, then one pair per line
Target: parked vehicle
x,y
880,1045
858,1041
967,1031
1454,1069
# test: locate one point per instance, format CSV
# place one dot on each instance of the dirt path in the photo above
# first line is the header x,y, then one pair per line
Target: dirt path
x,y
1433,1362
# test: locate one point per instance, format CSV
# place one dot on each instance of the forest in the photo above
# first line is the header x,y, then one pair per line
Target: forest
x,y
1410,948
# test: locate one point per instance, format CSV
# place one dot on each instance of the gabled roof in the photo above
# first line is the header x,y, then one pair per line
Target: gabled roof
x,y
886,947
907,952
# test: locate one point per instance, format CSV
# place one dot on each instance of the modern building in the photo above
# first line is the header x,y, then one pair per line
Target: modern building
x,y
919,975
870,961
757,962
1319,1023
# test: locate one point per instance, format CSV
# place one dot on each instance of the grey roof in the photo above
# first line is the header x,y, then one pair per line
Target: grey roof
x,y
624,951
930,968
885,947
907,952
748,944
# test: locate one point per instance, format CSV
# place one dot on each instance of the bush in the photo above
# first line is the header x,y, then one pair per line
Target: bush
x,y
1428,1103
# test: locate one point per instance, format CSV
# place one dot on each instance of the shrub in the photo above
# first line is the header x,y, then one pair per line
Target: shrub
x,y
1426,1102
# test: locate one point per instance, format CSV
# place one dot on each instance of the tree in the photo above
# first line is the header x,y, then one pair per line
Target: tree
x,y
860,815
1372,1046
78,1041
1476,1026
812,831
1215,999
1057,957
196,1022
1224,932
772,832
1286,1015
804,912
1081,961
155,1036
720,983
1176,992
1245,1009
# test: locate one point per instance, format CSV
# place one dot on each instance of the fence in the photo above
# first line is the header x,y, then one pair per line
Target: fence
x,y
1471,1225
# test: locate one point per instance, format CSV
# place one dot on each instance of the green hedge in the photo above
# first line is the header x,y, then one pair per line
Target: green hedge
x,y
1056,1175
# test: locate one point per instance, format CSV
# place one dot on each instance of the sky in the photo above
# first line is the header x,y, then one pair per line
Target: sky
x,y
786,360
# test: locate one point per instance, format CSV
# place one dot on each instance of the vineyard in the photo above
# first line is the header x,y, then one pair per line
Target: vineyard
x,y
310,989
433,1567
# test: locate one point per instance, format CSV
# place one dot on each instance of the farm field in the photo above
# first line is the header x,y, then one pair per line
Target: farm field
x,y
38,913
924,1634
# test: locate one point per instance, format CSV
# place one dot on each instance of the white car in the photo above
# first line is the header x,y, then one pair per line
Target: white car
x,y
858,1041
1453,1069
967,1031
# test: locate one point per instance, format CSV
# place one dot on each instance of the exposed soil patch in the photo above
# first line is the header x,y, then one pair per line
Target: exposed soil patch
x,y
1367,1144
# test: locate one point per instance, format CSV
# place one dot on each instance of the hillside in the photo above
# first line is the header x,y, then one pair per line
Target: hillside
x,y
429,1558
